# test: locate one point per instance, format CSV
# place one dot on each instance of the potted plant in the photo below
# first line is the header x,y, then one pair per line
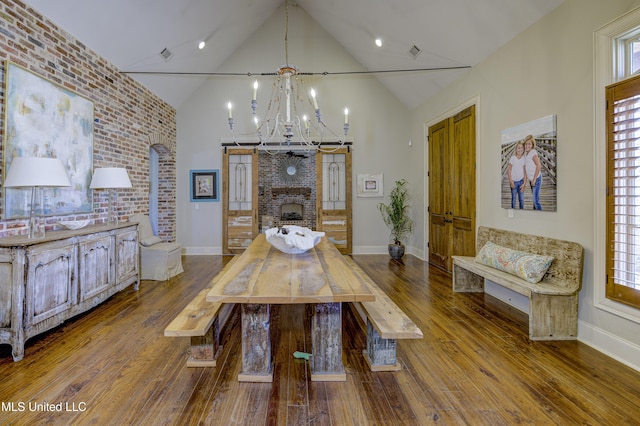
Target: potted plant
x,y
396,217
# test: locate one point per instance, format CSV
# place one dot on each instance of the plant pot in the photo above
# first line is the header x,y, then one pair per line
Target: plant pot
x,y
396,251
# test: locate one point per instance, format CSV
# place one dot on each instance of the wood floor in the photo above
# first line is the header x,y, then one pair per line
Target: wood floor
x,y
474,366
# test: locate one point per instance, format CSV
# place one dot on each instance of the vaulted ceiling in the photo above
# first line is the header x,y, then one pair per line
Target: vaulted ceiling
x,y
449,33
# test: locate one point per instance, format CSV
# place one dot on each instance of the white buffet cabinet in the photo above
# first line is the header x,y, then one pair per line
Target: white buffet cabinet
x,y
43,282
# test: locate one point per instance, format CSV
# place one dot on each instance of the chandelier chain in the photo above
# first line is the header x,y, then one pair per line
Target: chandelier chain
x,y
286,32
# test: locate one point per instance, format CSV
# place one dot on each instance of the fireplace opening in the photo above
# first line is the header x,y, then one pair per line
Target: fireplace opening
x,y
291,211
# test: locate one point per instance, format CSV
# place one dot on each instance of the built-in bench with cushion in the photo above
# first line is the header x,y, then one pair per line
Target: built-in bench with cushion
x,y
199,320
385,323
553,307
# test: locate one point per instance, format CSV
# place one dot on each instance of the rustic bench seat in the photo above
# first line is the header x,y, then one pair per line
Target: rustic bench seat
x,y
200,321
386,323
553,309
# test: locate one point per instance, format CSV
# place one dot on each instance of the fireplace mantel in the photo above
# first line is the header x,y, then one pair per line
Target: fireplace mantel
x,y
275,192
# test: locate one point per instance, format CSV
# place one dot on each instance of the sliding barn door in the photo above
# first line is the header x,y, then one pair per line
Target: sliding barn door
x,y
333,197
240,199
452,188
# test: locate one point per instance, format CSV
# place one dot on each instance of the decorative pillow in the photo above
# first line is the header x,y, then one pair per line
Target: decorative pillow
x,y
149,241
530,267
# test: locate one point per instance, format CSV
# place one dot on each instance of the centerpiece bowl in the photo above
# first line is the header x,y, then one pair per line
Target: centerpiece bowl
x,y
292,239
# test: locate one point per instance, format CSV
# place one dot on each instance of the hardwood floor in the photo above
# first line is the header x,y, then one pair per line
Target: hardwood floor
x,y
474,366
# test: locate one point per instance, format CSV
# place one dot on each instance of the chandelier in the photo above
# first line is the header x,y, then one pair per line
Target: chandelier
x,y
292,115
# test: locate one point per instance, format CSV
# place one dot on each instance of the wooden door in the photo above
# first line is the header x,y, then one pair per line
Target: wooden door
x,y
333,197
239,198
439,199
463,196
452,192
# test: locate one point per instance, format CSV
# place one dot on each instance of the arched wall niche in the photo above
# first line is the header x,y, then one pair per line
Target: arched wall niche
x,y
165,147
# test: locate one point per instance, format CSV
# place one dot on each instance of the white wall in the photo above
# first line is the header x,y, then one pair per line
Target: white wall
x,y
379,125
548,69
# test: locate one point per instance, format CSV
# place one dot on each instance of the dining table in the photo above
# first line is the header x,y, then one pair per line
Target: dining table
x,y
263,275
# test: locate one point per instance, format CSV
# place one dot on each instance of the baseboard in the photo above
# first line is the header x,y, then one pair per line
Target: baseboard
x,y
213,251
619,349
370,250
199,251
385,250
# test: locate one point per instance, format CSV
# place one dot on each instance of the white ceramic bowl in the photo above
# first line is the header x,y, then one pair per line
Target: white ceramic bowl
x,y
75,224
298,239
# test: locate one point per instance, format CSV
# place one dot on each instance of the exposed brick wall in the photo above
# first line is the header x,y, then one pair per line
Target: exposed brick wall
x,y
125,114
272,187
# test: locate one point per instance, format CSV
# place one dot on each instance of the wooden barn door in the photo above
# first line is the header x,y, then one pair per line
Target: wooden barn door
x,y
239,198
333,197
452,188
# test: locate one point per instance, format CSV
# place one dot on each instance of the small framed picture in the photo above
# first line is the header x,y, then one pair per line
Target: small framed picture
x,y
370,185
204,185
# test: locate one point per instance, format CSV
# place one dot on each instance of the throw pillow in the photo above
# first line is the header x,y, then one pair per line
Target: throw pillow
x,y
149,241
528,266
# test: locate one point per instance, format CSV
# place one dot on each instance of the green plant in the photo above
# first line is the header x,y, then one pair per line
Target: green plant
x,y
396,214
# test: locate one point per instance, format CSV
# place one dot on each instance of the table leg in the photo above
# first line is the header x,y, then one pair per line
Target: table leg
x,y
256,344
326,342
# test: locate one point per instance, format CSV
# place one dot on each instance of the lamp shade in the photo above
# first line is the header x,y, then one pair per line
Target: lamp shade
x,y
36,171
110,177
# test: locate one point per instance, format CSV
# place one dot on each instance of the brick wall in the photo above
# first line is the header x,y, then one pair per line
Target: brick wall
x,y
128,118
275,188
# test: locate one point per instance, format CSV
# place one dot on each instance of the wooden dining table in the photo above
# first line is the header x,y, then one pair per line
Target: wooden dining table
x,y
263,275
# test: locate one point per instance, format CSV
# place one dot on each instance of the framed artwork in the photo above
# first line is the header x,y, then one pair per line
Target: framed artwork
x,y
43,119
204,185
370,185
529,165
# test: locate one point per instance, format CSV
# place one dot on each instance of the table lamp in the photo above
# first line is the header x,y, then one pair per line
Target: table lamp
x,y
36,172
111,178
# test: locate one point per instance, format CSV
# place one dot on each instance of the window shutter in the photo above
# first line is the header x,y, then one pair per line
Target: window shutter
x,y
623,192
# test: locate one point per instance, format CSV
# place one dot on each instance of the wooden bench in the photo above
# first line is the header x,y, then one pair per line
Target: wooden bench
x,y
386,323
553,306
200,321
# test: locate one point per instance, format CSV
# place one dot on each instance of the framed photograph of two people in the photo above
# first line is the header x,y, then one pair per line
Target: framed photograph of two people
x,y
529,165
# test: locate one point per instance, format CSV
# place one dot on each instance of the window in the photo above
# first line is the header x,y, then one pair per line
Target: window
x,y
623,191
607,60
628,54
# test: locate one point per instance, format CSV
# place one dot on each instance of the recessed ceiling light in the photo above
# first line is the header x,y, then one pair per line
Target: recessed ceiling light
x,y
201,45
379,42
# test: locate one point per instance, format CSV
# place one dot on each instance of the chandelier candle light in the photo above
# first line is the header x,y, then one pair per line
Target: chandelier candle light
x,y
111,178
36,172
286,119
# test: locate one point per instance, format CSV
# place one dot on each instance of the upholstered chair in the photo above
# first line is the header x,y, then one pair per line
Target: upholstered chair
x,y
159,260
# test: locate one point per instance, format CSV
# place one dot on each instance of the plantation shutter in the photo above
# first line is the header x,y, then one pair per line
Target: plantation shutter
x,y
623,192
